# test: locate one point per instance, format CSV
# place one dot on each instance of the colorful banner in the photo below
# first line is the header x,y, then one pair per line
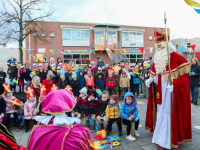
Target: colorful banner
x,y
82,51
141,49
29,51
193,4
116,51
193,47
51,51
100,51
34,51
132,51
124,50
181,48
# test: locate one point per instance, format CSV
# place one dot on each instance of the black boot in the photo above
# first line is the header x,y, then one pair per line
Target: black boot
x,y
195,103
120,133
108,133
22,89
27,125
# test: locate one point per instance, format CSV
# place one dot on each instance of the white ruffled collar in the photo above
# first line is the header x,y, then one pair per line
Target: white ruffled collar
x,y
61,119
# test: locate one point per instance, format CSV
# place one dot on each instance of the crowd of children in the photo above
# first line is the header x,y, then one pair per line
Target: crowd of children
x,y
116,83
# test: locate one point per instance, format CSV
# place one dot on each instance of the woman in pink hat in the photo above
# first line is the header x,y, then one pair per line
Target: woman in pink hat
x,y
57,131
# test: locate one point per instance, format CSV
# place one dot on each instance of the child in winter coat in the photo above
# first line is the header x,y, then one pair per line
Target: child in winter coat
x,y
136,81
104,72
110,82
129,112
29,107
82,98
12,71
91,102
116,87
26,75
9,108
89,81
144,75
75,86
62,83
42,74
2,76
81,80
2,106
124,83
103,105
113,114
100,82
19,78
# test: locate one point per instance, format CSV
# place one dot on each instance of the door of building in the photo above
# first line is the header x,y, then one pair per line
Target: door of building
x,y
110,41
101,41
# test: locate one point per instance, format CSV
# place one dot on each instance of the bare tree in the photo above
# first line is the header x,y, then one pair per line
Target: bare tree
x,y
19,18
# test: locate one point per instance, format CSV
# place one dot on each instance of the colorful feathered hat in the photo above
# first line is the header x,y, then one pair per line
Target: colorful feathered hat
x,y
58,102
19,63
54,87
60,65
6,88
89,71
15,102
40,66
53,66
43,90
22,68
29,92
68,88
46,65
74,75
69,69
35,66
110,71
62,73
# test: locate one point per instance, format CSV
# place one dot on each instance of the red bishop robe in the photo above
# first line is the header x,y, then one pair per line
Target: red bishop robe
x,y
181,108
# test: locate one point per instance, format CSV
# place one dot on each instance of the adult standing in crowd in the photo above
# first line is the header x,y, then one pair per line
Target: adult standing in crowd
x,y
52,61
48,82
194,80
100,63
26,75
59,60
36,85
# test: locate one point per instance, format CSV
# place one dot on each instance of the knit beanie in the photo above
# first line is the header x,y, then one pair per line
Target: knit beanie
x,y
115,97
83,90
93,93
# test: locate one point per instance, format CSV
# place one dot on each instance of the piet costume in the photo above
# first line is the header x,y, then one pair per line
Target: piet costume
x,y
158,117
57,131
7,140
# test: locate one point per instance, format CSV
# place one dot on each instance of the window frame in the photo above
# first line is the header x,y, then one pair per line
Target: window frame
x,y
75,40
52,35
80,58
44,33
135,38
35,34
188,46
136,57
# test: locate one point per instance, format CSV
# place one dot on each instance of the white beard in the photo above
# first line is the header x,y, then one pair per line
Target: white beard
x,y
161,57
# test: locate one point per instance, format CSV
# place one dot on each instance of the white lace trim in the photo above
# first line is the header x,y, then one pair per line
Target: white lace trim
x,y
162,131
61,119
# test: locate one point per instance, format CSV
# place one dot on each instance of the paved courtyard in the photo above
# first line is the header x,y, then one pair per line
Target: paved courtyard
x,y
144,141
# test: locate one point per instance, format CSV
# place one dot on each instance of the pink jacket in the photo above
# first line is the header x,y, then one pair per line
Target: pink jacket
x,y
29,109
9,108
89,81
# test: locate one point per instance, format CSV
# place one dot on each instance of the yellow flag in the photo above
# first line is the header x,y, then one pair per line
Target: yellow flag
x,y
124,50
192,3
24,51
0,63
82,51
51,51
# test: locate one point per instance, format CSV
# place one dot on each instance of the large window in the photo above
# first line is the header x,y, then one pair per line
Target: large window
x,y
132,39
135,58
98,37
76,38
80,58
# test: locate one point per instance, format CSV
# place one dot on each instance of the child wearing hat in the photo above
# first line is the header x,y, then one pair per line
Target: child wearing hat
x,y
19,78
103,105
12,72
42,74
113,114
26,75
2,106
62,83
144,75
82,98
89,81
91,102
29,107
35,70
129,112
75,85
9,108
46,67
110,82
116,78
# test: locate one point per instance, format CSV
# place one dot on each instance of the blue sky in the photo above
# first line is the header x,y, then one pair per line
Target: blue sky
x,y
183,21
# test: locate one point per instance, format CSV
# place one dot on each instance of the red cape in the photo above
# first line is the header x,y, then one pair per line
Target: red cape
x,y
181,109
